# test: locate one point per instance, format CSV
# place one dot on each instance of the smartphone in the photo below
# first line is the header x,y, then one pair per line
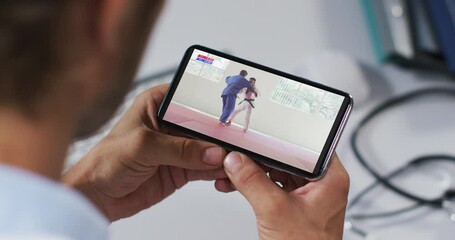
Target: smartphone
x,y
280,120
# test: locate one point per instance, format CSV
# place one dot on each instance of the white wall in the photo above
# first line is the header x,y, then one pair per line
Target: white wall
x,y
268,117
275,33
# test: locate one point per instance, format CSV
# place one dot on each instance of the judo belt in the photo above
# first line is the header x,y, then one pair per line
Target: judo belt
x,y
247,100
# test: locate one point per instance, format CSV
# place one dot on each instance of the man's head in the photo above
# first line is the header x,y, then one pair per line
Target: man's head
x,y
75,54
244,73
252,81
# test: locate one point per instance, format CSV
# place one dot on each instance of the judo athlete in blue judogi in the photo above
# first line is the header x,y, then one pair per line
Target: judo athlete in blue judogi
x,y
234,85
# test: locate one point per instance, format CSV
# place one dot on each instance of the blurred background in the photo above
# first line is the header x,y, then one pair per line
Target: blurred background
x,y
376,50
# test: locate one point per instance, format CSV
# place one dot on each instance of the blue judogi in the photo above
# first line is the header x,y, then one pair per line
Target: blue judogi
x,y
234,85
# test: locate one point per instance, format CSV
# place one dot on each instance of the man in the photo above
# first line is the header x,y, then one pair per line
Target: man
x,y
234,85
247,104
65,66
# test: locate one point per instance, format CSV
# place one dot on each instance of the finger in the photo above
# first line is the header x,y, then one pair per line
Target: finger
x,y
279,176
336,174
164,149
206,175
181,176
153,98
154,95
170,131
224,185
335,183
290,182
282,180
251,181
142,111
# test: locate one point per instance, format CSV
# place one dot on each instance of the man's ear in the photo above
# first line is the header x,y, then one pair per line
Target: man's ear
x,y
104,19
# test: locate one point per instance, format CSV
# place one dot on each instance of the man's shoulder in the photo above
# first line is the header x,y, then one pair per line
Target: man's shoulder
x,y
34,237
48,207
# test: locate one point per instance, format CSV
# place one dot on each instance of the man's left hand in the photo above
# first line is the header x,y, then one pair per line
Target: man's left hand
x,y
138,164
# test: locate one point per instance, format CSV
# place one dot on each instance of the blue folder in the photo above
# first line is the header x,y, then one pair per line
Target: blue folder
x,y
442,13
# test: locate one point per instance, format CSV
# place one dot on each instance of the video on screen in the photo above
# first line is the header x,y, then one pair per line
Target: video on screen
x,y
276,117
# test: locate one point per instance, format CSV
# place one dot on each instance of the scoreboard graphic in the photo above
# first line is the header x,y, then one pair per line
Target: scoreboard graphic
x,y
205,59
207,66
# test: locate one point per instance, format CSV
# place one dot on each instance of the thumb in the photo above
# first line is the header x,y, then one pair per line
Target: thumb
x,y
251,181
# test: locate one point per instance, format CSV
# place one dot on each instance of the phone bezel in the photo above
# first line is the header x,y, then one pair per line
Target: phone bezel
x,y
329,146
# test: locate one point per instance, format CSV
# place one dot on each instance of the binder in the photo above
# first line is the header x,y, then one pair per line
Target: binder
x,y
427,53
397,15
442,15
378,28
424,36
390,32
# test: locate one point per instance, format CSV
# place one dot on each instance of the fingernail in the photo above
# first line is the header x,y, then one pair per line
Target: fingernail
x,y
212,156
233,162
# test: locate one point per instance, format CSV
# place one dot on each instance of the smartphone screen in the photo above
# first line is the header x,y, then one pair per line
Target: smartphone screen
x,y
281,120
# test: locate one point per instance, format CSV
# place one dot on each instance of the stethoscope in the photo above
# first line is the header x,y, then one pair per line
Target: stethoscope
x,y
445,201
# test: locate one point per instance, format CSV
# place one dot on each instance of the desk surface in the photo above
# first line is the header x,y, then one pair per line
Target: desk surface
x,y
280,34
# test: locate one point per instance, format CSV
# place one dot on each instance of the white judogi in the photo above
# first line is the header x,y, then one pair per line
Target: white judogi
x,y
245,106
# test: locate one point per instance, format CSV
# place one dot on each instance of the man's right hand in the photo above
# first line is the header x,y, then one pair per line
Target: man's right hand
x,y
297,210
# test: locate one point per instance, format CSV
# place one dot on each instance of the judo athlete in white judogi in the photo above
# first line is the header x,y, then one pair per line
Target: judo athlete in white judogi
x,y
247,104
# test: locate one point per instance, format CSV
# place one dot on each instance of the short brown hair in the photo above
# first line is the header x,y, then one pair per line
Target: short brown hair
x,y
28,32
38,46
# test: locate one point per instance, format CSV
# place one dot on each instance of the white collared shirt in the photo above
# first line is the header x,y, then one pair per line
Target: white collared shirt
x,y
34,207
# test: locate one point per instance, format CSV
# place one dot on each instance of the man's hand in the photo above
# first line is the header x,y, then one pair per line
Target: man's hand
x,y
137,165
298,209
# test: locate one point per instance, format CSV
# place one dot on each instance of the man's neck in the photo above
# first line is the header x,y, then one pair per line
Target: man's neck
x,y
36,145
